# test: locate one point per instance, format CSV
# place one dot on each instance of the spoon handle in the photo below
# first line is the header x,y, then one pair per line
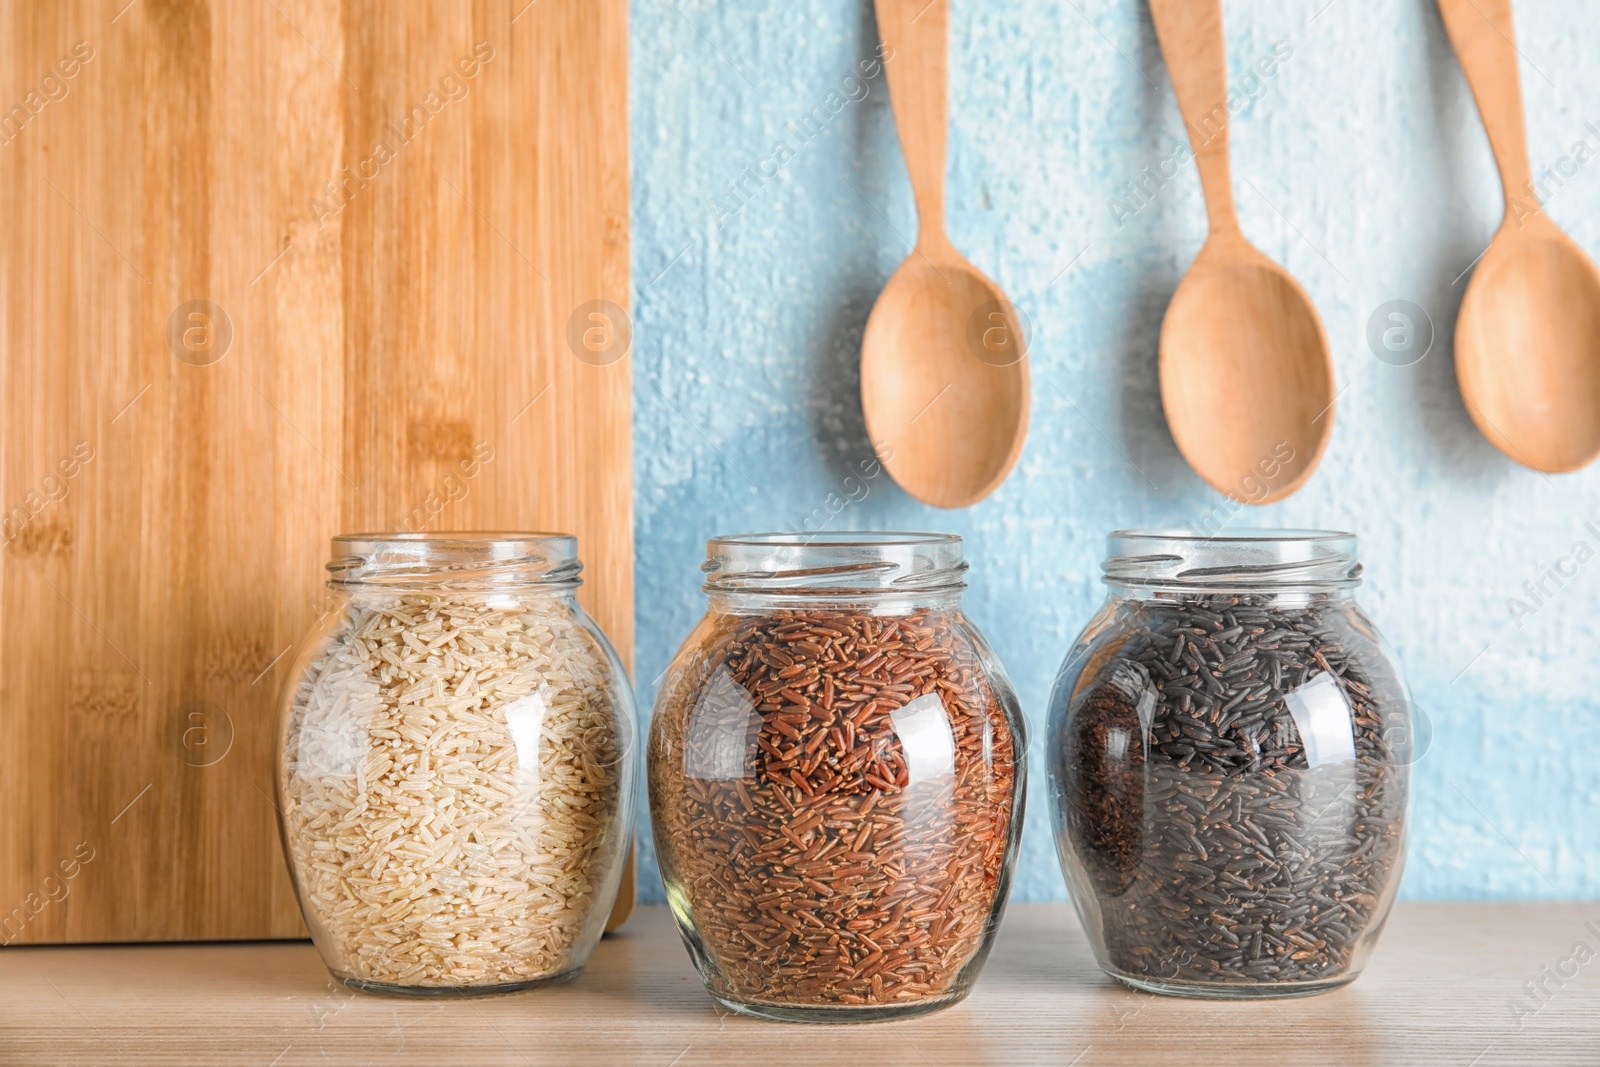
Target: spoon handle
x,y
1482,35
1190,32
917,39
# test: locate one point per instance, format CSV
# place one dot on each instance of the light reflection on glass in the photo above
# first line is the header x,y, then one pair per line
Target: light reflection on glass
x,y
1117,739
525,722
720,742
1323,717
930,748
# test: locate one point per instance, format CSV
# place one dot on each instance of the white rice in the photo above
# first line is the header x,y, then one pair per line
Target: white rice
x,y
452,792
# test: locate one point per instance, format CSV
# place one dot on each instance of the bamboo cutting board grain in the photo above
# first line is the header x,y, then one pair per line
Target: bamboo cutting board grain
x,y
271,271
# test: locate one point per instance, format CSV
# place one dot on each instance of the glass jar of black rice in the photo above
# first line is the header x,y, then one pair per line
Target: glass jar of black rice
x,y
1229,741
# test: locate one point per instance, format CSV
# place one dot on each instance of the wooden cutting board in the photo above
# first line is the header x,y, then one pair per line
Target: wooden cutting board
x,y
271,271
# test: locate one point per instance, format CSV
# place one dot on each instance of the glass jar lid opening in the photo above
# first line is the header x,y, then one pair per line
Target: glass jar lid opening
x,y
455,560
848,563
1266,559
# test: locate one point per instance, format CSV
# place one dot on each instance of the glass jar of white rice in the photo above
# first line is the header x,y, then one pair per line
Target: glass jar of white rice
x,y
455,776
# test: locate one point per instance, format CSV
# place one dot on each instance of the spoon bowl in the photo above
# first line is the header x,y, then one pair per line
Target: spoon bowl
x,y
944,373
1528,350
1246,377
943,382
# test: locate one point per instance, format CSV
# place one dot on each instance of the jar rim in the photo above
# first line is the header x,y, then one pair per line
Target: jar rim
x,y
455,559
1258,558
1244,533
835,563
840,538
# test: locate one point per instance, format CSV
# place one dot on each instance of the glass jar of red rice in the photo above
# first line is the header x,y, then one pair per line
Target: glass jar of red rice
x,y
836,769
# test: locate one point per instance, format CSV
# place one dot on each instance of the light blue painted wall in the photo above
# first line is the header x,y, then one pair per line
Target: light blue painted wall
x,y
1363,168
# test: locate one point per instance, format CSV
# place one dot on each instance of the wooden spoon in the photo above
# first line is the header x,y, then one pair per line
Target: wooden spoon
x,y
944,373
1246,378
1528,337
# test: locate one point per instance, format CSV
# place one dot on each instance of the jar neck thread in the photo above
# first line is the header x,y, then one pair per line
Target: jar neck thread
x,y
756,603
881,570
468,563
1268,562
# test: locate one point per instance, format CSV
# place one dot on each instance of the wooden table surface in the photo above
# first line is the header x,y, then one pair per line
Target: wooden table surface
x,y
1441,989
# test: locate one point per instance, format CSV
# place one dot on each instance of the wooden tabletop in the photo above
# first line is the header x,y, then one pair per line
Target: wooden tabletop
x,y
1443,988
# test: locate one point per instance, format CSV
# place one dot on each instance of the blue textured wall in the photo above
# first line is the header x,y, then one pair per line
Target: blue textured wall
x,y
1361,166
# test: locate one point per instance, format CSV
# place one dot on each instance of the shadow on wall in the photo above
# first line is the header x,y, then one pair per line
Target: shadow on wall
x,y
839,428
1146,437
1466,454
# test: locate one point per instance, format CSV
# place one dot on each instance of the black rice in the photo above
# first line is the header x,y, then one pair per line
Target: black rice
x,y
1216,852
